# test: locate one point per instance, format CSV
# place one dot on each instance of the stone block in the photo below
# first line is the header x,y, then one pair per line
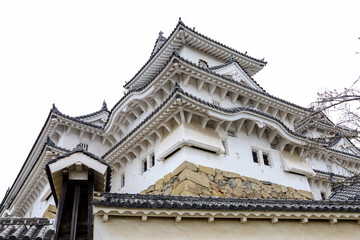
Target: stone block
x,y
253,180
306,194
195,177
219,177
143,192
257,194
205,192
230,174
188,193
291,189
264,194
297,196
216,193
276,187
283,189
232,183
185,165
207,170
188,186
239,192
167,178
222,183
151,188
159,184
168,191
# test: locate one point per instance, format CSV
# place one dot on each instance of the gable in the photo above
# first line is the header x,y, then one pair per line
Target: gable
x,y
234,71
344,145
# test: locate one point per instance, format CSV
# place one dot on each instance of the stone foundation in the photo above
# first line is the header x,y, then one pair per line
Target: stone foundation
x,y
189,179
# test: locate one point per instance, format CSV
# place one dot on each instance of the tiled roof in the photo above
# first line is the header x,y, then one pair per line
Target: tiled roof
x,y
182,25
75,119
329,173
178,89
178,57
216,203
102,110
26,228
249,109
80,149
346,190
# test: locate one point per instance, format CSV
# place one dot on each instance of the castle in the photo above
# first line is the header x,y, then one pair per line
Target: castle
x,y
194,138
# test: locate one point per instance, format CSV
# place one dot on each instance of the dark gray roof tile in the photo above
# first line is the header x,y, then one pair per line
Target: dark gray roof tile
x,y
217,203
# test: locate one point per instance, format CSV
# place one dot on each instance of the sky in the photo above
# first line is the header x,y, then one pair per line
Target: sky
x,y
78,53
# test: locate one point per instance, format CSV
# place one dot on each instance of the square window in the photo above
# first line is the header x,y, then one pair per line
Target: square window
x,y
255,156
266,159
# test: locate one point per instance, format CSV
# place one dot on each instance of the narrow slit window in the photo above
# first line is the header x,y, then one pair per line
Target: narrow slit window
x,y
266,159
144,166
123,180
255,156
152,160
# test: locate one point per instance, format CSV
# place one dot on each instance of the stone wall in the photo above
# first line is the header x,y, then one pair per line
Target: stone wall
x,y
189,179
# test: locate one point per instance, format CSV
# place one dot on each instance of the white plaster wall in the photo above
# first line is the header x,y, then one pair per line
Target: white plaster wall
x,y
39,206
199,229
72,139
194,55
238,160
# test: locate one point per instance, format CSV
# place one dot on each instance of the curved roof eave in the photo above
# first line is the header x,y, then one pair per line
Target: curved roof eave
x,y
181,26
179,90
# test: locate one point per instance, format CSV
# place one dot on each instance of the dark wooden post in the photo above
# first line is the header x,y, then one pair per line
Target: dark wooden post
x,y
65,175
90,207
75,212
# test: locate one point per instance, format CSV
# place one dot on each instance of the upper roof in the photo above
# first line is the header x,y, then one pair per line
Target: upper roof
x,y
183,35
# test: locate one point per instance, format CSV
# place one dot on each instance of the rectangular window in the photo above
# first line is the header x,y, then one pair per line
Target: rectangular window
x,y
255,156
152,160
323,195
266,159
144,166
122,184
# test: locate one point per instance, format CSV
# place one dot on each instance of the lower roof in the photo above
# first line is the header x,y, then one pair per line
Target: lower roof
x,y
217,203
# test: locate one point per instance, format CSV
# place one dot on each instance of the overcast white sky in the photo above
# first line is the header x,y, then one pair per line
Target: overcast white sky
x,y
78,53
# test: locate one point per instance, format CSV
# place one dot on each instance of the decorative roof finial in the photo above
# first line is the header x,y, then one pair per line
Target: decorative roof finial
x,y
78,147
180,21
104,106
161,34
54,108
175,51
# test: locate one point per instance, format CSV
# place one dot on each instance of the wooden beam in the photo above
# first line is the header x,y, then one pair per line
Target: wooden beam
x,y
60,205
204,121
189,117
239,124
234,97
217,126
261,132
186,80
200,84
223,92
75,212
271,135
250,127
212,88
